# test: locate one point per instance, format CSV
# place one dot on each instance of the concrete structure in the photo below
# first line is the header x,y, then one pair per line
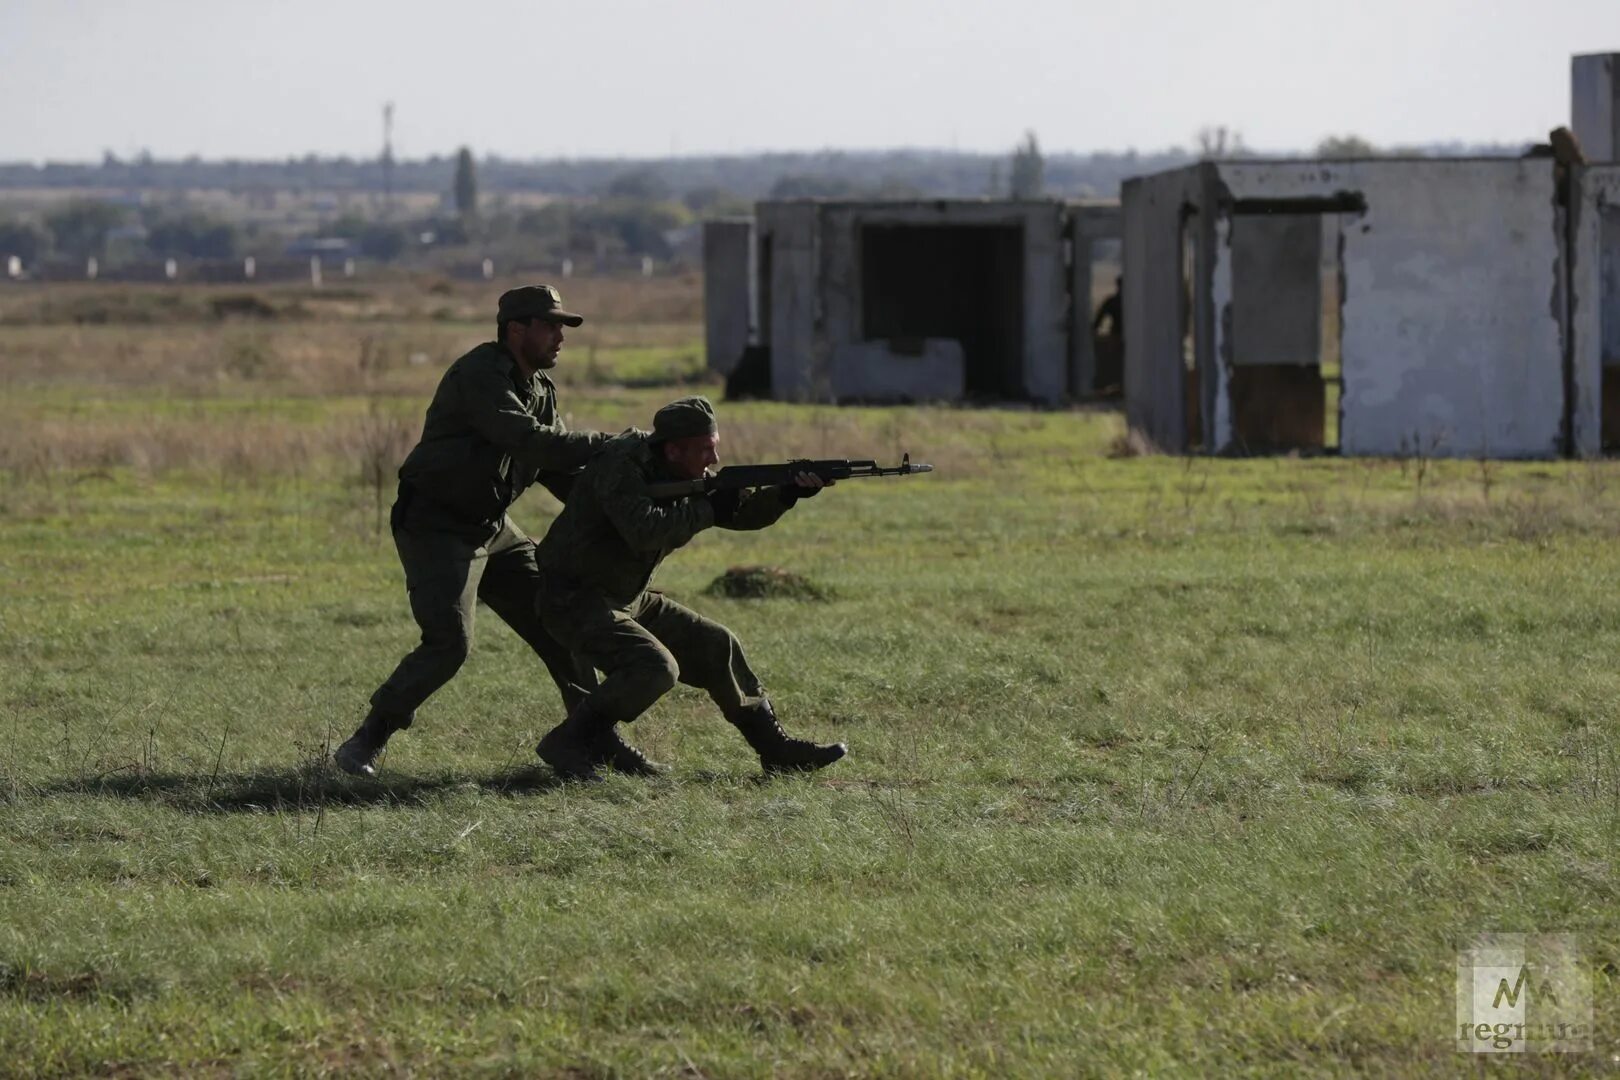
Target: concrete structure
x,y
1595,251
728,291
1451,278
1595,105
900,369
856,288
1595,308
911,300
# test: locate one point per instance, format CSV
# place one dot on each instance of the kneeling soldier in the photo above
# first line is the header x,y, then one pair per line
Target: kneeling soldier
x,y
595,565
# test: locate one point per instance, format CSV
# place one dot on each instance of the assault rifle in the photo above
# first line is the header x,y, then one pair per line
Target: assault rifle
x,y
752,476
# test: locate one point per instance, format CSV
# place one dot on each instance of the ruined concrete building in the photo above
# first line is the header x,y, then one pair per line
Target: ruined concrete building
x,y
908,300
1464,307
1422,306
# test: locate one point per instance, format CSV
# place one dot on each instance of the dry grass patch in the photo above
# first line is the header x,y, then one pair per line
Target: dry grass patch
x,y
380,295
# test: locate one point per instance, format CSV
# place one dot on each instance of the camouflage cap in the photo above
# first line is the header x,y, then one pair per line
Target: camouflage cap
x,y
683,419
536,302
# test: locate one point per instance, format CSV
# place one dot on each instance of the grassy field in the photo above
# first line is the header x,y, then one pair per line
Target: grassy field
x,y
1158,766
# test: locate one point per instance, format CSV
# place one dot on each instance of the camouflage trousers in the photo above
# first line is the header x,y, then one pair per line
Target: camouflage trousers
x,y
644,648
446,574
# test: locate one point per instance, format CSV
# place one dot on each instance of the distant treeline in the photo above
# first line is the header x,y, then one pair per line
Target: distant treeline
x,y
597,209
832,172
899,173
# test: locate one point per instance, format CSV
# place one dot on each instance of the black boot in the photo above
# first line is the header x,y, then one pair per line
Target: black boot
x,y
573,747
358,754
621,757
777,751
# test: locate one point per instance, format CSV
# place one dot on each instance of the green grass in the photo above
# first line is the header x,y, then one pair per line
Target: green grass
x,y
1158,765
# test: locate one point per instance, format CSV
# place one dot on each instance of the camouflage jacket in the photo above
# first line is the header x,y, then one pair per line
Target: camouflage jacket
x,y
490,433
612,535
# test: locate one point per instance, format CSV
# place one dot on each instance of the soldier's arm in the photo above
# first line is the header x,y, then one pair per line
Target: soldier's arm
x,y
560,484
645,525
496,412
759,507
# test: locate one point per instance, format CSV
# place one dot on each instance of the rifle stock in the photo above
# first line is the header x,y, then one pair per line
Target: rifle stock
x,y
752,476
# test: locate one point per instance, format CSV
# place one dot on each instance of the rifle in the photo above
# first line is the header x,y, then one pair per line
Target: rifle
x,y
752,476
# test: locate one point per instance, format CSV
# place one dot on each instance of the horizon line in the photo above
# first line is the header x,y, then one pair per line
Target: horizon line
x,y
1170,151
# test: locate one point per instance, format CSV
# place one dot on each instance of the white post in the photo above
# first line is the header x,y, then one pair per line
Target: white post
x,y
315,270
13,266
646,266
91,268
170,269
568,268
489,269
348,268
250,266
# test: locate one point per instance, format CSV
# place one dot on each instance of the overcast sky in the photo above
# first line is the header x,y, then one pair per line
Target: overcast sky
x,y
535,79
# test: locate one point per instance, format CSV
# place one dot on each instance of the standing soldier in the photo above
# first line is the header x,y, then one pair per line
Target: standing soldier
x,y
596,563
492,430
1110,344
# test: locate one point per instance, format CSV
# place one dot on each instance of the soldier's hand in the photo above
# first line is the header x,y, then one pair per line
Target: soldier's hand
x,y
805,485
814,481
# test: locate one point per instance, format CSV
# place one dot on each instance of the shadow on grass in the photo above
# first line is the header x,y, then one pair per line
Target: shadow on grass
x,y
295,788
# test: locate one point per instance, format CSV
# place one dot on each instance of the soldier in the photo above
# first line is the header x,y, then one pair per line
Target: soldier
x,y
1110,343
491,431
595,566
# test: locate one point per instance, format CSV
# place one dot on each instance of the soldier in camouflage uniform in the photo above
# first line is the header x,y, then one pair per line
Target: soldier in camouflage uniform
x,y
491,431
595,565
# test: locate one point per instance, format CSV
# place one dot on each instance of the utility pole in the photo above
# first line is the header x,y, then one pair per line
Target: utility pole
x,y
388,159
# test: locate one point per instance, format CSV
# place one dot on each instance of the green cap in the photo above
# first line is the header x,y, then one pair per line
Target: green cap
x,y
536,302
683,419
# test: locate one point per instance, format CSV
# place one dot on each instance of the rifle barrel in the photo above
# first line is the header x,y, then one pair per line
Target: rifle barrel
x,y
774,473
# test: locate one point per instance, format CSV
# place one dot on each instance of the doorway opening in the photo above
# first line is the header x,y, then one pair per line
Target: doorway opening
x,y
1103,312
962,282
1284,332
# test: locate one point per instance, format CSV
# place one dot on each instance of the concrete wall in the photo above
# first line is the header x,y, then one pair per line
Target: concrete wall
x,y
1452,312
1595,105
1595,306
790,272
877,371
1156,301
728,291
